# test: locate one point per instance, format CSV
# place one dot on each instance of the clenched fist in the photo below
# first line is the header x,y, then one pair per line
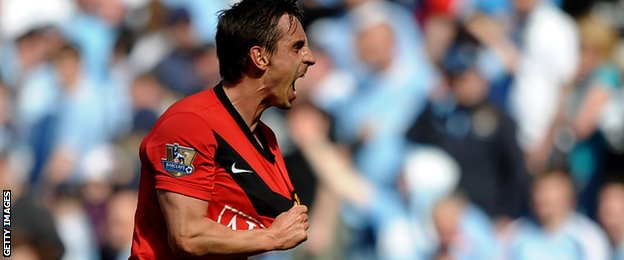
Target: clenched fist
x,y
289,228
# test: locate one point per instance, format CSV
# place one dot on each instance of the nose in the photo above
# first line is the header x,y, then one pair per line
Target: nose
x,y
308,57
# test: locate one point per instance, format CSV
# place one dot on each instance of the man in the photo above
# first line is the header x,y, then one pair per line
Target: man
x,y
556,231
611,215
493,175
231,197
548,42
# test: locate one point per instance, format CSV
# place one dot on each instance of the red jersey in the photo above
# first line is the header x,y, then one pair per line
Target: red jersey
x,y
201,147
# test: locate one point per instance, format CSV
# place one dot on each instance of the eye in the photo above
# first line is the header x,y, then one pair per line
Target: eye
x,y
298,45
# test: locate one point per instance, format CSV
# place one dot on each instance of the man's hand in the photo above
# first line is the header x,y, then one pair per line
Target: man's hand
x,y
289,228
192,234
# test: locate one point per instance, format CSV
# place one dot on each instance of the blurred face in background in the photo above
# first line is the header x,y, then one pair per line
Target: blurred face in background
x,y
207,66
589,60
375,46
183,35
469,87
439,33
111,11
120,219
524,7
68,67
147,93
33,49
598,40
611,210
553,197
446,217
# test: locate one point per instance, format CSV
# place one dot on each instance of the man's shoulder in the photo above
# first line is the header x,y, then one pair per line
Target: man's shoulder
x,y
201,106
195,103
188,117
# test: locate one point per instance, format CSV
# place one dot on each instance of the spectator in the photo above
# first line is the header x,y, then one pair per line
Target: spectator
x,y
203,16
597,84
372,122
7,131
73,226
34,232
547,40
20,58
464,231
611,215
149,100
119,222
492,170
206,65
176,71
116,89
78,101
28,79
428,176
557,231
93,29
96,188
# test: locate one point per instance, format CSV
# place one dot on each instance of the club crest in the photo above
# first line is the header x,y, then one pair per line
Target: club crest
x,y
179,160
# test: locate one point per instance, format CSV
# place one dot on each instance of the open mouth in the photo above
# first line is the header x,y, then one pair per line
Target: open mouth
x,y
294,81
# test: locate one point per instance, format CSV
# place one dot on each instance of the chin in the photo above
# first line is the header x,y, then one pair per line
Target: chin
x,y
285,106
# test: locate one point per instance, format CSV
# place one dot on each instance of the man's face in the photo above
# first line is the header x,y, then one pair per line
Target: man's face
x,y
611,207
552,198
375,47
469,87
68,69
524,7
289,61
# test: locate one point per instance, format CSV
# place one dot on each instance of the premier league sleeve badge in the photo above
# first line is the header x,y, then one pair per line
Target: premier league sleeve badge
x,y
179,160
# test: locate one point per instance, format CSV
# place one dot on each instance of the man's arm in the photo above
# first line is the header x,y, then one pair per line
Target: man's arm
x,y
191,233
331,164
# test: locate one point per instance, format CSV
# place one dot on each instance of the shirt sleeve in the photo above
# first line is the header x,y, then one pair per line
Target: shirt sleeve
x,y
181,152
607,77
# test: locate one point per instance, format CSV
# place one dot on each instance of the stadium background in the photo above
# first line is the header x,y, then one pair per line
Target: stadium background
x,y
449,111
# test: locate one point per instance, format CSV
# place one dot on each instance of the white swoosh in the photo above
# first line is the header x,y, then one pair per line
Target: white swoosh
x,y
236,170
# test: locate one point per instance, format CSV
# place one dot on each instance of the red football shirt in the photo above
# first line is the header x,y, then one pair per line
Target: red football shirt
x,y
201,147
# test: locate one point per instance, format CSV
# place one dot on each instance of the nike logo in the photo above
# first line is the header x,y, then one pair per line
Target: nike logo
x,y
237,171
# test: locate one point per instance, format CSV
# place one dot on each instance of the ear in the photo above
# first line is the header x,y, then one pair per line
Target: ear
x,y
259,57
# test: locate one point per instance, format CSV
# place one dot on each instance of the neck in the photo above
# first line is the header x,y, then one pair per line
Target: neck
x,y
247,97
71,83
617,235
553,223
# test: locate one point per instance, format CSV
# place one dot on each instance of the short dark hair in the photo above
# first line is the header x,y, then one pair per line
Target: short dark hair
x,y
246,24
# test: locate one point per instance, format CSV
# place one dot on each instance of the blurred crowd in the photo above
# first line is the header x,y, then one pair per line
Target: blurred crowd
x,y
428,129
